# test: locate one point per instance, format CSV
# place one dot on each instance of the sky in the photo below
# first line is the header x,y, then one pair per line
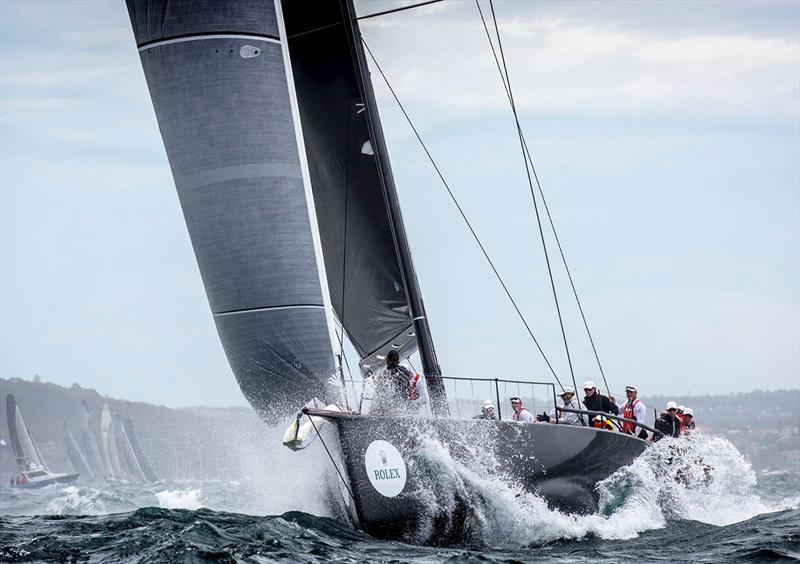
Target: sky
x,y
666,136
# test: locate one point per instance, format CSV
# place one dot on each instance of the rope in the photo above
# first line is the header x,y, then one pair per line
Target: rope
x,y
533,198
546,207
463,216
346,485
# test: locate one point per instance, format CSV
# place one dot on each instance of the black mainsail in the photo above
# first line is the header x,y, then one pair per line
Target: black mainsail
x,y
274,141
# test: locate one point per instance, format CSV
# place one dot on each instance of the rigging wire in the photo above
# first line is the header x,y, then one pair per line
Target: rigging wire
x,y
400,9
341,477
463,215
546,207
533,198
344,257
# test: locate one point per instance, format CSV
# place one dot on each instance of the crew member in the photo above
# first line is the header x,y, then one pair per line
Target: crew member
x,y
600,422
521,414
688,421
668,423
569,401
487,411
633,408
398,390
595,401
679,415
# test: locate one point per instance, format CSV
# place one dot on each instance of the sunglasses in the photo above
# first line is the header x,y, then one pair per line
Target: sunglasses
x,y
672,409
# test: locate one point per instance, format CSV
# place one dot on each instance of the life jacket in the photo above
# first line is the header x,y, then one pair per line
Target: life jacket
x,y
603,423
413,394
628,413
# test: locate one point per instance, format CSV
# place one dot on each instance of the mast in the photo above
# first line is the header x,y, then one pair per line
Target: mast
x,y
430,364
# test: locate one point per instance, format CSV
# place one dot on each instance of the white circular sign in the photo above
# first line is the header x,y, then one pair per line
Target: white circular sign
x,y
386,468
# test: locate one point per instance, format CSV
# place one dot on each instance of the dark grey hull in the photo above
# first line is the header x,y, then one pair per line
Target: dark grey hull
x,y
561,463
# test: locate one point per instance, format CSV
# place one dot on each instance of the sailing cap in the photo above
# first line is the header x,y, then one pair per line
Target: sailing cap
x,y
567,390
671,405
515,398
488,405
631,388
688,411
588,384
681,409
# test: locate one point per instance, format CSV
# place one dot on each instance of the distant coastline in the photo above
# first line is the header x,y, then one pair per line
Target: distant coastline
x,y
210,442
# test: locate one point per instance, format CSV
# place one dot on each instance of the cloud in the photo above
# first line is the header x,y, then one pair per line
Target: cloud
x,y
560,65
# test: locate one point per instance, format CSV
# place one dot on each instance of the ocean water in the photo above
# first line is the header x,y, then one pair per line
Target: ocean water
x,y
690,500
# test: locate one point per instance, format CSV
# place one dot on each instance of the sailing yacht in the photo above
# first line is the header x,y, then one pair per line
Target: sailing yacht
x,y
33,471
272,131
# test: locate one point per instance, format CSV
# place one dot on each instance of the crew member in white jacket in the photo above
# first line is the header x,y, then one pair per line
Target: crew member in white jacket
x,y
571,402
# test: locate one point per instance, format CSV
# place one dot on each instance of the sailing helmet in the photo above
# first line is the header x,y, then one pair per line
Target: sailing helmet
x,y
588,384
671,405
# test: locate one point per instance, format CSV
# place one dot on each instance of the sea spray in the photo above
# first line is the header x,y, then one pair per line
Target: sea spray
x,y
474,502
180,499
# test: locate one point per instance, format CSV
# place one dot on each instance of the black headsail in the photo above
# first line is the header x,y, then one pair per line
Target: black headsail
x,y
371,278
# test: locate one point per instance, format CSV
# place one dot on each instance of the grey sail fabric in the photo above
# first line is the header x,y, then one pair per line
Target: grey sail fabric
x,y
364,277
217,79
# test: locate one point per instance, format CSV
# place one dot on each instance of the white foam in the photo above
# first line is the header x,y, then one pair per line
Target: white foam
x,y
180,499
74,500
706,480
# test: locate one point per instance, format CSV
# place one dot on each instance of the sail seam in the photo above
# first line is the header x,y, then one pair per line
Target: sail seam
x,y
208,35
268,308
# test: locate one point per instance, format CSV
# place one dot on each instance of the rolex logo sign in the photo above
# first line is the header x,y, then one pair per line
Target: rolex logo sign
x,y
386,468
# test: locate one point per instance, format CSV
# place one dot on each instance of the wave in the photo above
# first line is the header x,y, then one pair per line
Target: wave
x,y
700,478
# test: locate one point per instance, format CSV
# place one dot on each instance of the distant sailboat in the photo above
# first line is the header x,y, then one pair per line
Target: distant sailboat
x,y
89,442
76,456
32,468
141,458
109,445
128,461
